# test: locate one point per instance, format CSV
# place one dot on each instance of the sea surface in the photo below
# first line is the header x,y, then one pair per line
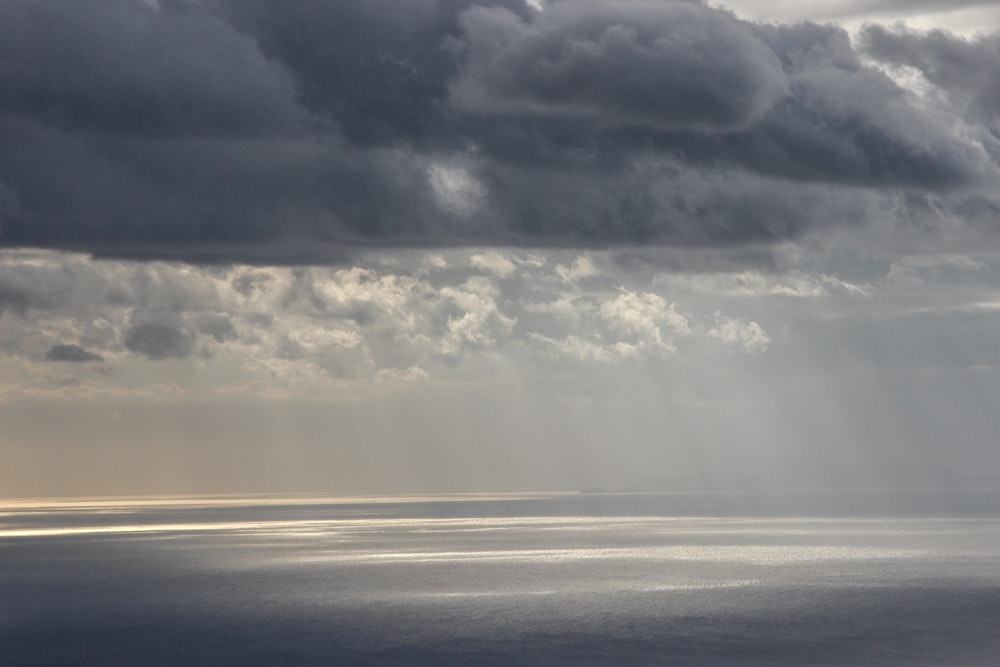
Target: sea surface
x,y
848,578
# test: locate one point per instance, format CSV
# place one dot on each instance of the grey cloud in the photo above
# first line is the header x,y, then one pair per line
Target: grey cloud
x,y
14,298
274,132
73,353
127,67
673,65
24,286
9,204
376,68
289,350
654,200
218,327
250,282
968,70
842,122
159,341
263,320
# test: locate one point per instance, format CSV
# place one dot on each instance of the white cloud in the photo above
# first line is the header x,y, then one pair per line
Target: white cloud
x,y
478,322
581,267
456,188
401,375
755,284
747,335
567,310
648,317
494,262
575,347
960,16
315,339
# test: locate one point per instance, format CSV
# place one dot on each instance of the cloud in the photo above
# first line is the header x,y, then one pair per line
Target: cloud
x,y
913,270
424,321
219,327
456,189
273,133
401,375
494,262
966,70
670,65
72,353
159,341
957,13
127,68
446,313
575,347
747,335
643,317
582,267
474,318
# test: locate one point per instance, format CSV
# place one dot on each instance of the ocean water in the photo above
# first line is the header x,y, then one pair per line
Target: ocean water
x,y
860,578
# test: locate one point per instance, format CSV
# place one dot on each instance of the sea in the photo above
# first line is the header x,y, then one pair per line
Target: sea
x,y
855,577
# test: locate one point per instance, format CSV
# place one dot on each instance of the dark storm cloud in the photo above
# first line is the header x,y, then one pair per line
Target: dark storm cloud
x,y
269,131
125,68
672,65
72,353
156,340
377,67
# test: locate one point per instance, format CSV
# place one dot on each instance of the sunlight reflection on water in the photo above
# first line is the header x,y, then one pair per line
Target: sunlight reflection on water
x,y
521,580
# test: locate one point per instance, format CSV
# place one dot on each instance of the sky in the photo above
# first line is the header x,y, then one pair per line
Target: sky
x,y
487,245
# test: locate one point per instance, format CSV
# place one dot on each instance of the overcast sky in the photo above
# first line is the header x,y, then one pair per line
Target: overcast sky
x,y
449,245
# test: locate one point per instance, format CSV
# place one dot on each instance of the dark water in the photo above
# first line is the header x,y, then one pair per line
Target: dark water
x,y
754,579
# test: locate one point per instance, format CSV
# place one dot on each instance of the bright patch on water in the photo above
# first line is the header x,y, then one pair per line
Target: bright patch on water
x,y
530,579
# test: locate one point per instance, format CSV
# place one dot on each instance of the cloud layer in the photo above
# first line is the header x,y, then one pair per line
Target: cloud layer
x,y
298,331
407,370
271,133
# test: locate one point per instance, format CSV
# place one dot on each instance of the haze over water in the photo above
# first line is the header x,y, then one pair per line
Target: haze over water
x,y
517,579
